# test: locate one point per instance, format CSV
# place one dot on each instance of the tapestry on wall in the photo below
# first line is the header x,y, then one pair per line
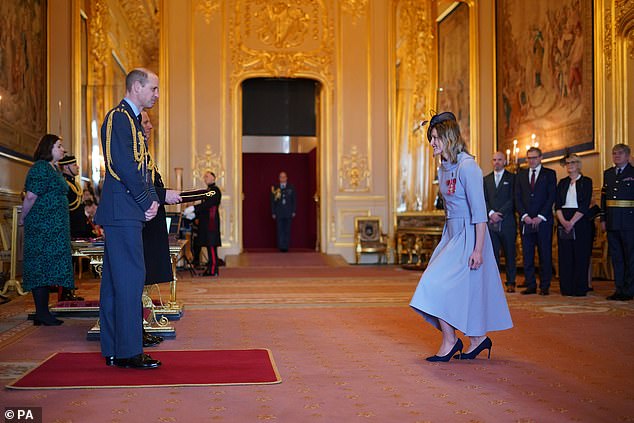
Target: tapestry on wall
x,y
22,75
544,68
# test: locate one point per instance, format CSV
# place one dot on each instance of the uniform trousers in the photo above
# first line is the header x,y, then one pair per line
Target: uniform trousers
x,y
621,249
123,277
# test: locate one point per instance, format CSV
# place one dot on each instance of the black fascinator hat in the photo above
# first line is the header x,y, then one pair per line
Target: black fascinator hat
x,y
436,119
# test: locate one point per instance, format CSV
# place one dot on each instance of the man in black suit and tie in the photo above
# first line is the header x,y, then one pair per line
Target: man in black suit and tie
x,y
283,211
499,187
535,190
617,203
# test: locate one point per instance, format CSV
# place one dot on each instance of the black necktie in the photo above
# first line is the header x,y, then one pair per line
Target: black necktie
x,y
138,117
532,179
618,171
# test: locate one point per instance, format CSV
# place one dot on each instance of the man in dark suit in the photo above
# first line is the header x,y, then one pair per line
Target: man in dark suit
x,y
535,189
283,210
128,201
156,249
617,204
208,215
499,187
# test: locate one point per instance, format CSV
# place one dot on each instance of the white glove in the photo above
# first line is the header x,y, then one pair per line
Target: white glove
x,y
189,213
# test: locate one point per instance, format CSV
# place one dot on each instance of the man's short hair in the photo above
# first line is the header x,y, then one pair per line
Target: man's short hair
x,y
621,147
140,75
534,149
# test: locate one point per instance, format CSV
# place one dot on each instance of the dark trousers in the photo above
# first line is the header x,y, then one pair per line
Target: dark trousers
x,y
621,249
505,240
543,240
120,317
283,232
212,266
574,257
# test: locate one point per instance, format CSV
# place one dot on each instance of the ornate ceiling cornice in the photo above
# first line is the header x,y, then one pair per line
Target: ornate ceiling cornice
x,y
143,19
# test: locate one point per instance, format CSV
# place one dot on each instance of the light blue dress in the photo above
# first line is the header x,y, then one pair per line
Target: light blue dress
x,y
472,301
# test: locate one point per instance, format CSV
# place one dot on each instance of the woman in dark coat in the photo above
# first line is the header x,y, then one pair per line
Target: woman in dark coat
x,y
208,217
574,231
47,251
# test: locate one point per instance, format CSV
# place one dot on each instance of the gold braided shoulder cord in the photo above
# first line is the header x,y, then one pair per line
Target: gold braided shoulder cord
x,y
78,194
140,152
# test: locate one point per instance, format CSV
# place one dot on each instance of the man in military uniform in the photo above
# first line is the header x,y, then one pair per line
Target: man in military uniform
x,y
617,204
208,215
283,210
70,170
128,201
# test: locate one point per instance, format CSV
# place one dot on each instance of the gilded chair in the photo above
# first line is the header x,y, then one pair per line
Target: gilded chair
x,y
369,239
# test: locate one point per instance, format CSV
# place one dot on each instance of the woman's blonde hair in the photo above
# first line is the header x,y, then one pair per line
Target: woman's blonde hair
x,y
453,144
572,157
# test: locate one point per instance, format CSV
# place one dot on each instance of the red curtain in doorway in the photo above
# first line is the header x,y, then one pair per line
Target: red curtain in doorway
x,y
259,172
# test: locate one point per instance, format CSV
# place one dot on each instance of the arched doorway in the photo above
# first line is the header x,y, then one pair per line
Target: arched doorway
x,y
279,133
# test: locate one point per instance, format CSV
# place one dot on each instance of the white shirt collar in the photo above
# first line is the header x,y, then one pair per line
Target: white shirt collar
x,y
133,106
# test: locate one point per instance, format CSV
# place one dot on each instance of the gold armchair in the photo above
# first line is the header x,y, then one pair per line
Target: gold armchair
x,y
369,239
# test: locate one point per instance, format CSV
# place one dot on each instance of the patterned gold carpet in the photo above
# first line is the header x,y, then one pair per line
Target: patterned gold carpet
x,y
349,349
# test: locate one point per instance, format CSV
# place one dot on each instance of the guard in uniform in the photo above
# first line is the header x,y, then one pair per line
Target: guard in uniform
x,y
128,201
77,216
617,204
208,215
283,210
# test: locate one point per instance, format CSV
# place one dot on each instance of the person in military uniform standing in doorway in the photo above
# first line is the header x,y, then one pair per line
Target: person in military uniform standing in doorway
x,y
283,210
617,204
208,215
70,170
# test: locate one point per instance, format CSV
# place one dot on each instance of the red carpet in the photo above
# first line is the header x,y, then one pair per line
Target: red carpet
x,y
180,368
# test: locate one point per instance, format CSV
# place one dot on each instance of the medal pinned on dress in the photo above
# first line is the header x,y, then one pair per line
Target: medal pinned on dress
x,y
451,185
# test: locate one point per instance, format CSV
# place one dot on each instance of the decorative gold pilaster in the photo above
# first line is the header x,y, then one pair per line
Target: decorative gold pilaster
x,y
208,9
356,8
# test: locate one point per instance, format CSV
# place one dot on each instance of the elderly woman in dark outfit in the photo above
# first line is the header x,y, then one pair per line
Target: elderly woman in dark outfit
x,y
47,251
574,232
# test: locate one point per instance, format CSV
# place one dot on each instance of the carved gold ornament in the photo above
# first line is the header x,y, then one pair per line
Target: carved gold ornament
x,y
212,162
356,8
281,38
208,8
354,173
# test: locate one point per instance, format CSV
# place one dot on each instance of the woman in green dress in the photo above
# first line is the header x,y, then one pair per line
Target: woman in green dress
x,y
47,252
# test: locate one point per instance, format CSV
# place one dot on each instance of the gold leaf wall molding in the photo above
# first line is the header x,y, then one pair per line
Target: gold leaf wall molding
x,y
209,161
143,19
608,42
99,42
208,9
356,8
354,172
281,39
624,21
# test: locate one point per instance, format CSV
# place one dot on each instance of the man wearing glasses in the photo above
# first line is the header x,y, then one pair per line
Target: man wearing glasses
x,y
535,189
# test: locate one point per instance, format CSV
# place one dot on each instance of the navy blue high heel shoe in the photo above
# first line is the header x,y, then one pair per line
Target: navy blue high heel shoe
x,y
457,348
484,345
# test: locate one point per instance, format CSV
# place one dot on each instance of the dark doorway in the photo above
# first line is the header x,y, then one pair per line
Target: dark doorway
x,y
279,133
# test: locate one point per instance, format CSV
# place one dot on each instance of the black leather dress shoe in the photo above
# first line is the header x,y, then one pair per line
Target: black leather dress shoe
x,y
510,288
522,285
615,297
544,292
150,340
109,361
140,361
529,291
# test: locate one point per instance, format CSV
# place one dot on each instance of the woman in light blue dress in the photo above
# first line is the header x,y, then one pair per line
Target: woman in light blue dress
x,y
461,287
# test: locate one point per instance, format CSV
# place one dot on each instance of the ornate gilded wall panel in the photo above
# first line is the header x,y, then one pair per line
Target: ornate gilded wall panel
x,y
354,172
281,39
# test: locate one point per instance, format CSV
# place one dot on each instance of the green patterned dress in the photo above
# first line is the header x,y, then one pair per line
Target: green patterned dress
x,y
47,251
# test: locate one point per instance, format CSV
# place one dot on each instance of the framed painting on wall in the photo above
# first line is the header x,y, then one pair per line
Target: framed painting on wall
x,y
544,76
23,95
453,66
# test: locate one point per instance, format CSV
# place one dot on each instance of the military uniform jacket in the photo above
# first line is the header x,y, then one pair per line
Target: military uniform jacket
x,y
618,188
128,190
283,204
208,216
78,225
